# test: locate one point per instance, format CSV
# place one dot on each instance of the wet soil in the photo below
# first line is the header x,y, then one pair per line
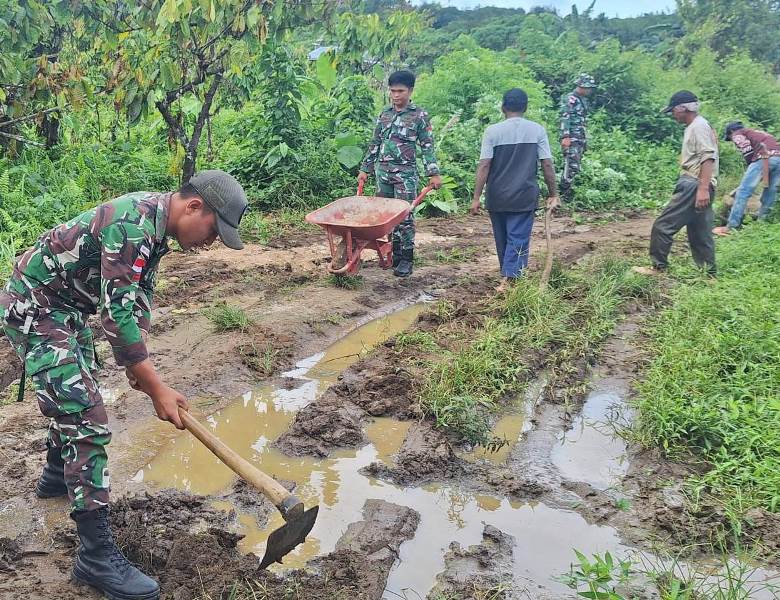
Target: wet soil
x,y
193,545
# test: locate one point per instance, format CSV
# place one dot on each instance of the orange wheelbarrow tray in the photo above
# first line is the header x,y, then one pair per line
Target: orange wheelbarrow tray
x,y
363,222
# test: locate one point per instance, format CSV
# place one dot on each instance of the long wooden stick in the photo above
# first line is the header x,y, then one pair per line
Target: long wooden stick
x,y
548,263
288,505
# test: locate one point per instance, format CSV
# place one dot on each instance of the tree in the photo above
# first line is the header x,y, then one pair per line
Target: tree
x,y
173,56
366,41
39,76
727,26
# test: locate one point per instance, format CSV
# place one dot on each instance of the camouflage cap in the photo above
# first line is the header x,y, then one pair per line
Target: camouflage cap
x,y
227,198
584,80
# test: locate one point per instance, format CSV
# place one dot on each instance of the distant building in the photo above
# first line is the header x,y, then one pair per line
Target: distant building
x,y
320,50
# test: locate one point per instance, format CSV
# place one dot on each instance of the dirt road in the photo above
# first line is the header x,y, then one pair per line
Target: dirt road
x,y
389,488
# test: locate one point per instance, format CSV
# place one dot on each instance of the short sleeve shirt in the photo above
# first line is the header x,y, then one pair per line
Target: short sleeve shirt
x,y
699,144
514,146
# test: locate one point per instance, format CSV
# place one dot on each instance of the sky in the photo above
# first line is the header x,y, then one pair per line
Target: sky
x,y
612,8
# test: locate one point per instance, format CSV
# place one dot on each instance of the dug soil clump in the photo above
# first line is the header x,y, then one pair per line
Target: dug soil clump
x,y
481,571
190,549
426,455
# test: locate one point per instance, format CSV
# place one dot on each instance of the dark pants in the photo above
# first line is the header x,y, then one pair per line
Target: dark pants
x,y
512,231
682,212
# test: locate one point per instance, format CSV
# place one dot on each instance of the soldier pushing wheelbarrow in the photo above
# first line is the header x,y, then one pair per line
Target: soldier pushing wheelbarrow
x,y
392,156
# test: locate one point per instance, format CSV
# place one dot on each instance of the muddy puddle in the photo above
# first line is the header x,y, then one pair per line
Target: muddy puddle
x,y
542,536
590,451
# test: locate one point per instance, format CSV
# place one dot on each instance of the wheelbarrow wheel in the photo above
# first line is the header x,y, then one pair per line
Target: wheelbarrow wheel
x,y
340,256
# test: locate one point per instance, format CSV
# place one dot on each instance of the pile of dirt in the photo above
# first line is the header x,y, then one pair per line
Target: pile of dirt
x,y
188,547
425,455
481,571
379,387
322,426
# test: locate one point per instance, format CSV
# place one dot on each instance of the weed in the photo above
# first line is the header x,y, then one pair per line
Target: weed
x,y
260,357
423,340
456,255
623,504
9,394
226,317
334,318
598,576
347,282
444,310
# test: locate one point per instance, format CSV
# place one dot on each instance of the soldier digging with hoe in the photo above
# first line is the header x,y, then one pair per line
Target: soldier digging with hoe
x,y
392,156
105,261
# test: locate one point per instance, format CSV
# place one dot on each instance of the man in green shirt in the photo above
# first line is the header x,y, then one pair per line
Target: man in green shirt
x,y
104,261
392,156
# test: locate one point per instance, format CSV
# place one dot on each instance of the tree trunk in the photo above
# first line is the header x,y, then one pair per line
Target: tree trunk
x,y
191,148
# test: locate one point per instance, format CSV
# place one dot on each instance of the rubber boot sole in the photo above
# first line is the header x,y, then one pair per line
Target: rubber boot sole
x,y
82,577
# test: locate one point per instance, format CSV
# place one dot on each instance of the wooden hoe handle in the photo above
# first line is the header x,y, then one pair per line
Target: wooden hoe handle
x,y
285,502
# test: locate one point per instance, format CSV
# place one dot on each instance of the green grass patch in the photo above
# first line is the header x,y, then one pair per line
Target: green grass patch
x,y
713,386
563,324
261,227
226,317
347,282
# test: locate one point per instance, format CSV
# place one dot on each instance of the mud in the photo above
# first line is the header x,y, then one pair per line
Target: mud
x,y
483,570
392,491
320,428
426,455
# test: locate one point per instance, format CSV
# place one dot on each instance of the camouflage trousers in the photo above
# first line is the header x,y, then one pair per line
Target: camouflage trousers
x,y
572,164
59,357
401,185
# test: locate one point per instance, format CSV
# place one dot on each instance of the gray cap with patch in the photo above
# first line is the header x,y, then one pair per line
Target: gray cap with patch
x,y
227,199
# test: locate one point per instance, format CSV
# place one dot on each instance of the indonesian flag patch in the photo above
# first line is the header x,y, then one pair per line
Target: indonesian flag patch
x,y
138,267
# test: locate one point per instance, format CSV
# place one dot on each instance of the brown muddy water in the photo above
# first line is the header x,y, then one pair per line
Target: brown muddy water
x,y
544,536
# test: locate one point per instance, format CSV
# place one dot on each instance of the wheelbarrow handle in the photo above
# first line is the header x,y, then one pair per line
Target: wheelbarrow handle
x,y
421,197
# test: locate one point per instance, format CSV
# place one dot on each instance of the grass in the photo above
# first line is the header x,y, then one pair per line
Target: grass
x,y
226,317
712,388
456,255
563,325
347,282
262,227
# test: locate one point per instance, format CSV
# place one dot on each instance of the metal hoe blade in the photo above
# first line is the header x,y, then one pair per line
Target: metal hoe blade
x,y
288,536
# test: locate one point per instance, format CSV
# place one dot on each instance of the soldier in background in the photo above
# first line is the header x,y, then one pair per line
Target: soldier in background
x,y
105,261
574,113
392,156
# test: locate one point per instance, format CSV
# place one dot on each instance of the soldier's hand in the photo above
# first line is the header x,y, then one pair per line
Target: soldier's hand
x,y
474,207
133,381
566,142
166,402
435,181
362,178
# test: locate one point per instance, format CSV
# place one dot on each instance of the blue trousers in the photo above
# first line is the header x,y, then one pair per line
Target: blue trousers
x,y
512,231
748,185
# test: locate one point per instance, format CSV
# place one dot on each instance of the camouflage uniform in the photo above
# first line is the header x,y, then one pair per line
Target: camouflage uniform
x,y
105,259
392,156
574,112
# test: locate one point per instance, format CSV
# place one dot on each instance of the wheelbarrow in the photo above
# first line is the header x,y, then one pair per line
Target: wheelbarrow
x,y
361,222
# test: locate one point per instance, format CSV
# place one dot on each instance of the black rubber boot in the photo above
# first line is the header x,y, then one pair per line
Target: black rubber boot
x,y
396,252
100,564
52,481
406,264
